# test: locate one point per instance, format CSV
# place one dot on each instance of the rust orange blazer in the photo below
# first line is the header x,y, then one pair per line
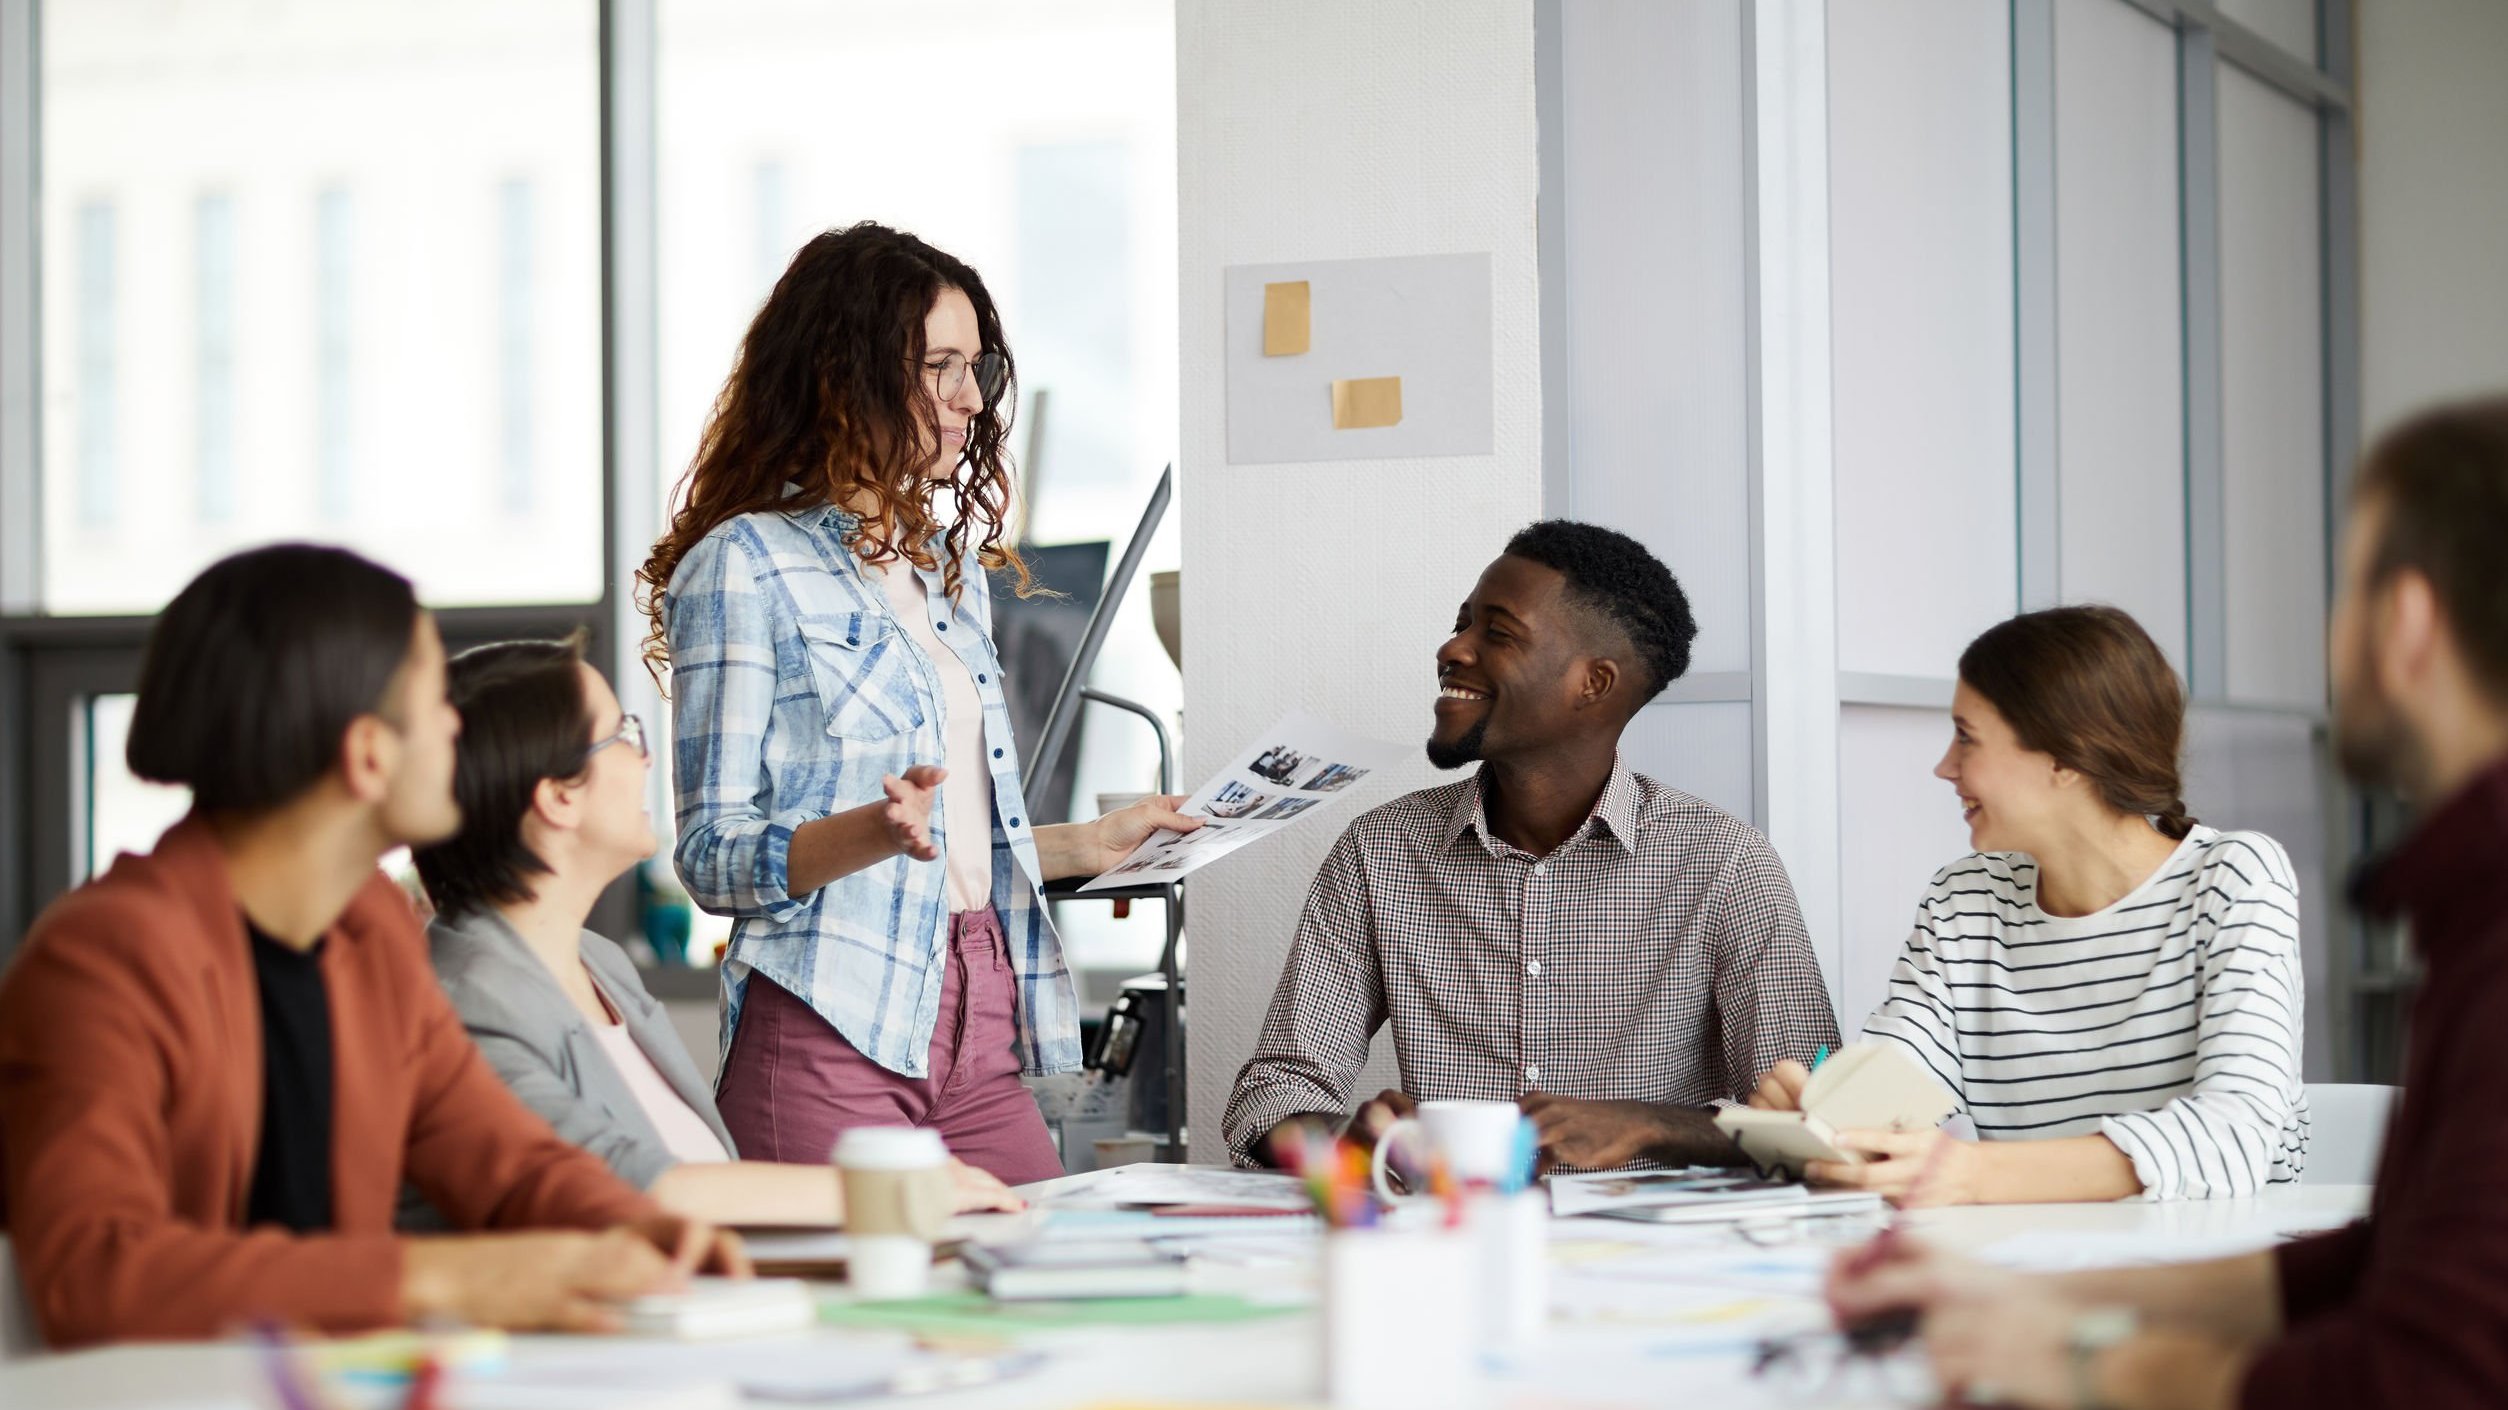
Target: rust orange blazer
x,y
130,1111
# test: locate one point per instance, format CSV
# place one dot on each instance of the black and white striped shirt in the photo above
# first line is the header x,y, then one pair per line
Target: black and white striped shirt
x,y
2168,1022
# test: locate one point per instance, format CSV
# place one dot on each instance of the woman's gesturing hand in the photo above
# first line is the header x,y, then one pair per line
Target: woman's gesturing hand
x,y
908,813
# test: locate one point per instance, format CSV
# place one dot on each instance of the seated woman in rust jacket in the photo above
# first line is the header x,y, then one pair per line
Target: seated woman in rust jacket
x,y
219,1061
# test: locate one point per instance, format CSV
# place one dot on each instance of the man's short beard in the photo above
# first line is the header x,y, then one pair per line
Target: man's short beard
x,y
2373,747
1463,751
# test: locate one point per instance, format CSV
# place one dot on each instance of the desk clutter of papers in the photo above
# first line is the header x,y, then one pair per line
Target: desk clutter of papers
x,y
1637,1309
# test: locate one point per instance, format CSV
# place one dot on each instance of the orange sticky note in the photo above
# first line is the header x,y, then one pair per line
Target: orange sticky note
x,y
1287,319
1361,402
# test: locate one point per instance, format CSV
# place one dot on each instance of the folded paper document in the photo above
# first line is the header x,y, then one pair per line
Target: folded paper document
x,y
1864,1087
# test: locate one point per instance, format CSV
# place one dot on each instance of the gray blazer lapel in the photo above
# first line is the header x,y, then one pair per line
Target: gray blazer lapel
x,y
541,1047
649,1026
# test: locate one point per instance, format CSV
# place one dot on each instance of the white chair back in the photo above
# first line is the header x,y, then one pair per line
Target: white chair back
x,y
2346,1130
18,1338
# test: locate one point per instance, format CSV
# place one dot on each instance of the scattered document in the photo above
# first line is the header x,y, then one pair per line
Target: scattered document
x,y
1703,1193
1295,769
817,1367
1150,1184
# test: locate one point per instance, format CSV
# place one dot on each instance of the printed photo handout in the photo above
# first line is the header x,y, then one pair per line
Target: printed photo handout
x,y
1293,771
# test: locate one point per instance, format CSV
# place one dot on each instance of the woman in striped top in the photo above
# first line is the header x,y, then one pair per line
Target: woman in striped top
x,y
2111,990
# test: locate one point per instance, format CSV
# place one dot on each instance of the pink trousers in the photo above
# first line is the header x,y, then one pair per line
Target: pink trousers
x,y
791,1083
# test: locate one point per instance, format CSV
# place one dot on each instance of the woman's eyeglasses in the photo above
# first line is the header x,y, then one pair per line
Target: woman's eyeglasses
x,y
630,733
949,375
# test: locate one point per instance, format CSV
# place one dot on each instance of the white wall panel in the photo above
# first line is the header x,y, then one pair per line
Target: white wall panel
x,y
2250,771
2433,201
1701,748
1308,129
1651,107
1921,308
2272,398
1898,825
2120,382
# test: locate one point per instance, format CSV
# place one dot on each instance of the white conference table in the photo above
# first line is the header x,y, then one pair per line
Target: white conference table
x,y
1599,1353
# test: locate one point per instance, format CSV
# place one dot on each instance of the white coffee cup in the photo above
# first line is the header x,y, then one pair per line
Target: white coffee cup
x,y
897,1197
1476,1139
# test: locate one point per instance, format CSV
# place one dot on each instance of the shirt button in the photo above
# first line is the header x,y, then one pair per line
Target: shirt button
x,y
1541,868
1533,968
944,626
1532,1072
996,753
983,680
1014,822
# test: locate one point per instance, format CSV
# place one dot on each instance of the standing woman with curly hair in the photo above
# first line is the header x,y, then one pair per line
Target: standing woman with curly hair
x,y
847,785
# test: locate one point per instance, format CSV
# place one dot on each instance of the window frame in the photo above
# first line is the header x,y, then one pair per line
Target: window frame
x,y
49,664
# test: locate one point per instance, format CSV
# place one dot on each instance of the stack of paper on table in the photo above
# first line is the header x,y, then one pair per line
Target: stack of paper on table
x,y
1696,1196
1153,1184
817,1367
710,1308
1871,1086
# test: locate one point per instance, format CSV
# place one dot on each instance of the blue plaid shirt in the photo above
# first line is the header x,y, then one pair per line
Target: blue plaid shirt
x,y
794,691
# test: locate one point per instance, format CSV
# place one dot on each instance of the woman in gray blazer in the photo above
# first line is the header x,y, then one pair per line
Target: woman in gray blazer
x,y
551,781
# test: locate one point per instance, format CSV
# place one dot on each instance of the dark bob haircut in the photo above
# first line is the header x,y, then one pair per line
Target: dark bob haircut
x,y
256,669
524,719
1612,575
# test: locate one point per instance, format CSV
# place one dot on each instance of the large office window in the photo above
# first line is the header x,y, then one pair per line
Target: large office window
x,y
335,412
309,209
516,293
99,376
213,353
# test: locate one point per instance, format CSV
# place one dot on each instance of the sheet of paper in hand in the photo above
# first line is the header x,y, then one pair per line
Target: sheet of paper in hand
x,y
1294,770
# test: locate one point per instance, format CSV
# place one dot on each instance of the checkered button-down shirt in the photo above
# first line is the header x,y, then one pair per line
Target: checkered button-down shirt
x,y
1658,955
794,692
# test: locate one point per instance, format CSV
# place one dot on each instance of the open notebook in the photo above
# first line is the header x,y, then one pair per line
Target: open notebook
x,y
1862,1087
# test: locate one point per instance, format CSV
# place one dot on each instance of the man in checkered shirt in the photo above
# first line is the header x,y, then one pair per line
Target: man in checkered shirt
x,y
1618,955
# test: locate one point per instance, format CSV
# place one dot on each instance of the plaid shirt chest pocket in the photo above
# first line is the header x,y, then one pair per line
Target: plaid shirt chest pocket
x,y
857,668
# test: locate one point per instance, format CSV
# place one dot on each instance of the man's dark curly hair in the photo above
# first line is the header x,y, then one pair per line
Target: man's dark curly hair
x,y
1613,575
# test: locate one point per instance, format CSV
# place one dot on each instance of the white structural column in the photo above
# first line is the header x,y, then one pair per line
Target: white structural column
x,y
1794,587
1318,130
630,292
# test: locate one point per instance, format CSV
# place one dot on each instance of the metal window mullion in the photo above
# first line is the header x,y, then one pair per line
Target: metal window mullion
x,y
630,384
2349,835
21,471
2323,82
2199,262
2035,349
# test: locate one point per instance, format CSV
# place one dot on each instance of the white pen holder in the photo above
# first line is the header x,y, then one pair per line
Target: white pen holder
x,y
1513,1237
1401,1319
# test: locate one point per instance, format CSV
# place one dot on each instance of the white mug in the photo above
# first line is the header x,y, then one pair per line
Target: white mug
x,y
1477,1140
